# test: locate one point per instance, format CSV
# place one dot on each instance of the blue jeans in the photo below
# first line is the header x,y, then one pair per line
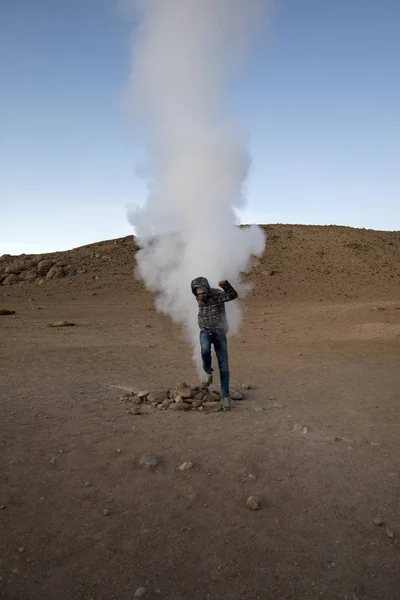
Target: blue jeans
x,y
221,349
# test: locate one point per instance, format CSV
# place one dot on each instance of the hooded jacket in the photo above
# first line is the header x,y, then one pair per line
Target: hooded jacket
x,y
212,313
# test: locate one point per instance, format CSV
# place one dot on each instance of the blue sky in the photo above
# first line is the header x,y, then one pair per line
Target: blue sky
x,y
320,99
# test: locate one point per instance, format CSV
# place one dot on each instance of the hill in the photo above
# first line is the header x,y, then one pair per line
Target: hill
x,y
299,263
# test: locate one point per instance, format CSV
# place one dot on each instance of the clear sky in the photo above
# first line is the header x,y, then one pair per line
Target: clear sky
x,y
320,99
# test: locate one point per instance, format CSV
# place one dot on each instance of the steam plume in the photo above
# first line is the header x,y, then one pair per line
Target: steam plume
x,y
185,54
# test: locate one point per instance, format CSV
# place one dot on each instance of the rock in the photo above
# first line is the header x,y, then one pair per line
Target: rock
x,y
199,396
247,386
253,503
106,512
21,549
55,272
62,324
3,507
7,311
196,404
389,533
44,266
166,403
201,408
297,427
378,521
211,397
155,398
212,406
179,406
181,385
178,399
125,398
135,410
15,268
149,462
186,466
139,592
87,484
185,392
137,400
11,279
142,395
29,276
305,430
236,394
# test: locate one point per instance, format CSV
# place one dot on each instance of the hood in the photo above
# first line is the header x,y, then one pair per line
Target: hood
x,y
200,282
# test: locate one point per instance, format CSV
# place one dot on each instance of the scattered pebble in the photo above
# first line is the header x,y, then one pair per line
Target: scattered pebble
x,y
118,450
139,592
186,466
62,324
235,394
87,484
106,512
21,549
149,462
389,533
378,521
253,503
3,507
53,461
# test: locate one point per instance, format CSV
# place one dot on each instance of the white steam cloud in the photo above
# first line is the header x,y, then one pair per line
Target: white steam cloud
x,y
185,54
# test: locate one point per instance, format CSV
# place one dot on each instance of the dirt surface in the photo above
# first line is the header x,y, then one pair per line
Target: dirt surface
x,y
315,440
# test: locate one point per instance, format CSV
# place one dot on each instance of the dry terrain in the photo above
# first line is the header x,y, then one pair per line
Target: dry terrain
x,y
315,439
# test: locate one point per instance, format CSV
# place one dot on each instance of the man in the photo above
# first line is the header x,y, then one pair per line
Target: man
x,y
213,329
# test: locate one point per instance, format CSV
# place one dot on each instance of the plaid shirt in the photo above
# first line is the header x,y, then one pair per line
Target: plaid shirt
x,y
212,314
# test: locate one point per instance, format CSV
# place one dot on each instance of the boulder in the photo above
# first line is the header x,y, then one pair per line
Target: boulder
x,y
29,276
55,272
44,266
11,279
15,268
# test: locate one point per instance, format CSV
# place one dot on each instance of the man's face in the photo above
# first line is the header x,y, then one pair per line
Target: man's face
x,y
201,293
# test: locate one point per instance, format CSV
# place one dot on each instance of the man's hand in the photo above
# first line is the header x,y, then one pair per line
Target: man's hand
x,y
222,283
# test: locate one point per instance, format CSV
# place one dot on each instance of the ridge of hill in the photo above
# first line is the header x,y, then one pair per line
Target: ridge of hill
x,y
300,262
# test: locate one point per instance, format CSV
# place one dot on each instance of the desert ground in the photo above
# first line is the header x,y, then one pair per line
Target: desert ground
x,y
315,439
